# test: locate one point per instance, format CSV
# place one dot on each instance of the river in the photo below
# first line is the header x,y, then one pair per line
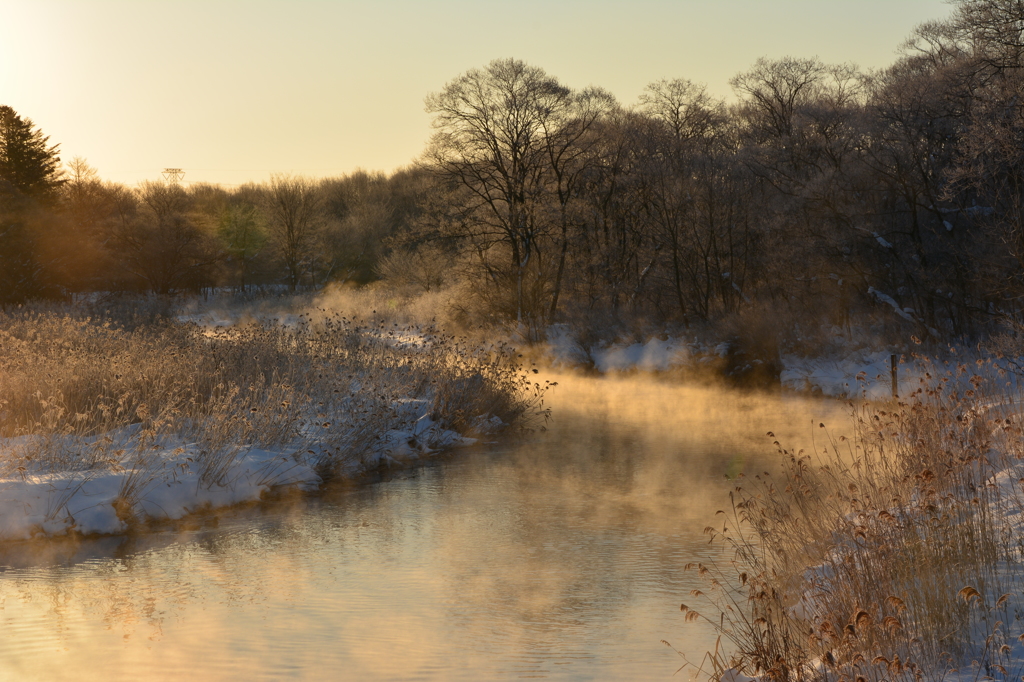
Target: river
x,y
559,556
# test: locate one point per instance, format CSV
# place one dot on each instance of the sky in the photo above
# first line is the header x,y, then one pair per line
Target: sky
x,y
233,92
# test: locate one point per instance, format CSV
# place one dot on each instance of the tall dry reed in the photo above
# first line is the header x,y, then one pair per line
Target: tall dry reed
x,y
893,555
84,395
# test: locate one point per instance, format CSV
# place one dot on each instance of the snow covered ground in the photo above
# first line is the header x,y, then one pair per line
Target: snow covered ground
x,y
852,372
861,373
165,483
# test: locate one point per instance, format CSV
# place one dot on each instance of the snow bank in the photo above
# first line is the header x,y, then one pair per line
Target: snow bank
x,y
89,501
167,485
859,372
654,356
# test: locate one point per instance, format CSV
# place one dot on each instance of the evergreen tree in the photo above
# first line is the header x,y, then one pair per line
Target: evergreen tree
x,y
27,162
30,172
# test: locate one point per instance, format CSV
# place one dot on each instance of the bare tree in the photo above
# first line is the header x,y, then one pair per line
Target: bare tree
x,y
490,140
295,216
773,89
514,139
685,136
428,266
684,107
159,242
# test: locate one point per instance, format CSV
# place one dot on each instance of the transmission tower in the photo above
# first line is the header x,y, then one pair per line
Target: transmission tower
x,y
173,175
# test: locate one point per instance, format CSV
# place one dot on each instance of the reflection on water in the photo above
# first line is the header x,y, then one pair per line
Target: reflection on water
x,y
560,557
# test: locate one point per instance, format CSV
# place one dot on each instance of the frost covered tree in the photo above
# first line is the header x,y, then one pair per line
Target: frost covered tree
x,y
512,139
490,140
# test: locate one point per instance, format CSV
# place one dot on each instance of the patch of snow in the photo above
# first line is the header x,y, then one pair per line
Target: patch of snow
x,y
84,501
654,356
890,301
169,486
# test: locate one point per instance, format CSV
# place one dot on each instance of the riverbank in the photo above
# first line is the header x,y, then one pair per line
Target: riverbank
x,y
846,370
896,554
893,553
107,427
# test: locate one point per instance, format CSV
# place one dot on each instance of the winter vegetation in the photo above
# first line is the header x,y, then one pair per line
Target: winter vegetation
x,y
892,555
799,234
107,425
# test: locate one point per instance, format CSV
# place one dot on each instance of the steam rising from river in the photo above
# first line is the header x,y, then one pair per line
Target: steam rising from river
x,y
558,556
676,446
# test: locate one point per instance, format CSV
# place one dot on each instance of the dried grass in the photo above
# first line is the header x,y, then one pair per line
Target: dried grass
x,y
84,395
895,555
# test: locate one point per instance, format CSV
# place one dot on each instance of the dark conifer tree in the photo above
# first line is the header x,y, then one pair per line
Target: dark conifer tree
x,y
30,174
27,161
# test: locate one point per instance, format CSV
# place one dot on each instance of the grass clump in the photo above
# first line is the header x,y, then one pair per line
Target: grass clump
x,y
897,554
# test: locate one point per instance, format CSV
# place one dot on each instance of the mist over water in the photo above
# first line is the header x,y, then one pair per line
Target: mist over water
x,y
556,557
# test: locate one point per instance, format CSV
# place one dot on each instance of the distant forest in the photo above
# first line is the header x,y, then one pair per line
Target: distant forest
x,y
822,195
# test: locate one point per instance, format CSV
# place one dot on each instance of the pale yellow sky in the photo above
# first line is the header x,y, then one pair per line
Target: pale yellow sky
x,y
233,91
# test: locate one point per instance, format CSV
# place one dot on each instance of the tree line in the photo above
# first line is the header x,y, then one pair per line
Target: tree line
x,y
76,233
822,192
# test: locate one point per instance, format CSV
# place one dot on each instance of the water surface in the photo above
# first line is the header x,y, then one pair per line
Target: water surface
x,y
558,557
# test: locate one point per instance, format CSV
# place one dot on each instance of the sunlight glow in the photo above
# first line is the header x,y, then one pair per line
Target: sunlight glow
x,y
233,92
